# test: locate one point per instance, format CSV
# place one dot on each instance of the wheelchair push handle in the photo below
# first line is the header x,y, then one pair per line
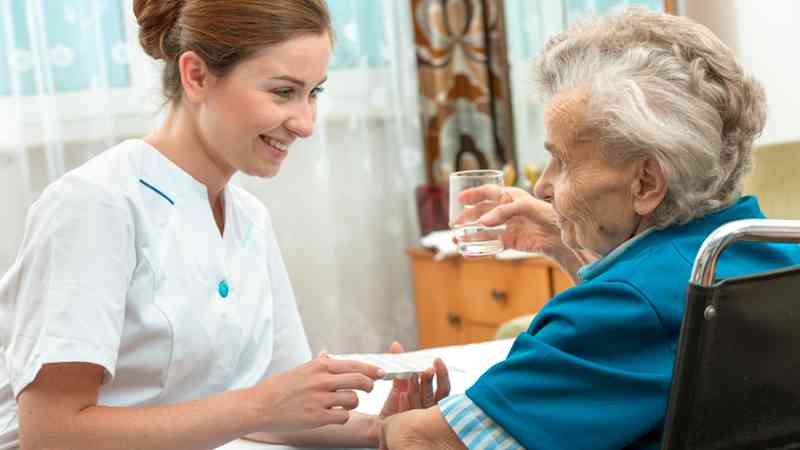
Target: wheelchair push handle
x,y
763,230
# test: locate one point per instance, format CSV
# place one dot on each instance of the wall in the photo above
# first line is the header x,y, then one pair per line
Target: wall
x,y
765,36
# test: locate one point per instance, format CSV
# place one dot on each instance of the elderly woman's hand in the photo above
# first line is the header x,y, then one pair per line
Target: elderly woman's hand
x,y
417,392
419,429
530,223
414,393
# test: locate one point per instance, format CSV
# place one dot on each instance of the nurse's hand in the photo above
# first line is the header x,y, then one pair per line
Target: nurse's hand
x,y
320,392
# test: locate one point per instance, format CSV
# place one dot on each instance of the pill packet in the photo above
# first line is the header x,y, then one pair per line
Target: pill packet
x,y
396,365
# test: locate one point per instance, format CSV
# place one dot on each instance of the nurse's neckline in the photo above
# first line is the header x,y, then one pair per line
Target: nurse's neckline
x,y
192,182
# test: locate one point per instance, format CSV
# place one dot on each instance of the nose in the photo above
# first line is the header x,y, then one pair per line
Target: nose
x,y
544,185
301,121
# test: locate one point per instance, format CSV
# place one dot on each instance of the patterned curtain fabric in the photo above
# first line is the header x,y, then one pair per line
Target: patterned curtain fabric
x,y
463,83
73,82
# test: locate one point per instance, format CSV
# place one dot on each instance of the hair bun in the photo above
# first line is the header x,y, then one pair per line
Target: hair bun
x,y
156,19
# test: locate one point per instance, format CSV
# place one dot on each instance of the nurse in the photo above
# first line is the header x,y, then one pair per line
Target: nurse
x,y
149,306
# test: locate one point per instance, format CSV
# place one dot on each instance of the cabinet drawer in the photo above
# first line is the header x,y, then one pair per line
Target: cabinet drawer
x,y
561,281
495,291
475,332
460,300
438,321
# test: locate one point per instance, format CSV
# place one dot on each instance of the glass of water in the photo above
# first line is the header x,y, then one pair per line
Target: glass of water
x,y
466,208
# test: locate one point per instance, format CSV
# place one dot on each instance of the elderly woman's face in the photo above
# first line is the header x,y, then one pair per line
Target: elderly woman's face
x,y
592,197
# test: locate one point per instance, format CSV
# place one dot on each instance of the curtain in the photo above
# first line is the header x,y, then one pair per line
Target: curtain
x,y
461,55
71,85
73,82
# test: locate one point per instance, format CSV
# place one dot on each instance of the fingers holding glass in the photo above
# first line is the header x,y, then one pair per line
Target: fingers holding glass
x,y
472,194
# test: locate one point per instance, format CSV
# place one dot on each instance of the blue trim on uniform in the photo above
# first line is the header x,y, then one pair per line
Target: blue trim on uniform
x,y
156,190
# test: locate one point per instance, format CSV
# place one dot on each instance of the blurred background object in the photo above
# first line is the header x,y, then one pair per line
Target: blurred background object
x,y
433,201
532,172
775,180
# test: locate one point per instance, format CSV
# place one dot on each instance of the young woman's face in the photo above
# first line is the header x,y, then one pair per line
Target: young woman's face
x,y
251,116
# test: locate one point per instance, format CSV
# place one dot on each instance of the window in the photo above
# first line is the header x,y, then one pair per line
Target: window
x,y
71,70
83,56
83,45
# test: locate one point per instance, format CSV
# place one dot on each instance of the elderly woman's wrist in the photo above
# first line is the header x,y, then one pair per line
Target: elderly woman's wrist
x,y
371,437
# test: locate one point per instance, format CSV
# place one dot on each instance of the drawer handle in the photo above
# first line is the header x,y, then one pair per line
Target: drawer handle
x,y
499,296
454,319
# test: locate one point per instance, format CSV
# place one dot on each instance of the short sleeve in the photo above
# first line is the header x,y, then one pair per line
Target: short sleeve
x,y
291,344
63,300
593,372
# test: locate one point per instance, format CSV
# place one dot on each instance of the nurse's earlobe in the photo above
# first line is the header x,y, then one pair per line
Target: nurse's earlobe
x,y
195,76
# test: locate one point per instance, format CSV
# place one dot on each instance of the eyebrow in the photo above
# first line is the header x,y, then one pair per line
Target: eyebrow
x,y
296,81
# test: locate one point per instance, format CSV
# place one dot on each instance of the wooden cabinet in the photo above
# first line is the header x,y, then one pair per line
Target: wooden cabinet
x,y
461,301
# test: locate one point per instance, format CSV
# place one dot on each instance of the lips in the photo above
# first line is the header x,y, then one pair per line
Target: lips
x,y
277,145
276,150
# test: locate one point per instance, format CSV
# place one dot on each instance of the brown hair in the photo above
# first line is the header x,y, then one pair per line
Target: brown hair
x,y
222,32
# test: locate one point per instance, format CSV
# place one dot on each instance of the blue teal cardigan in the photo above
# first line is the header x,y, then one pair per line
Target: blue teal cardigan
x,y
594,369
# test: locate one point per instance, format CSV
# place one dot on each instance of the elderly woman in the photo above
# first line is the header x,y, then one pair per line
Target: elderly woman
x,y
650,123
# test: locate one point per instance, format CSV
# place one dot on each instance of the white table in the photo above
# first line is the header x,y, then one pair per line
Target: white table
x,y
465,362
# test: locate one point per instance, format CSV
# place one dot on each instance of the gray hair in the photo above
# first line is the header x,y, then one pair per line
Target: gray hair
x,y
665,87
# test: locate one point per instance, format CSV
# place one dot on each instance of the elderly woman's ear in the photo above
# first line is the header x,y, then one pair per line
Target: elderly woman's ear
x,y
649,186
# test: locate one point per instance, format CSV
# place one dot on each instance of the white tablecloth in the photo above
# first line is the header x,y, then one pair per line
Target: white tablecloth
x,y
466,364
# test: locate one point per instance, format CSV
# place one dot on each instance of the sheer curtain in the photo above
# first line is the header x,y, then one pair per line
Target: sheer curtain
x,y
71,85
74,82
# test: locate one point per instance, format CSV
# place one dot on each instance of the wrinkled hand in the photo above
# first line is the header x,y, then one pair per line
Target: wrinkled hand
x,y
419,429
530,223
320,392
415,392
398,432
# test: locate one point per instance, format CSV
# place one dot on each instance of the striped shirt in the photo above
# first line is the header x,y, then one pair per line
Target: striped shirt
x,y
474,428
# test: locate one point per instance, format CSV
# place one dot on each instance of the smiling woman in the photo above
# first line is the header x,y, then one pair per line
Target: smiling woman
x,y
119,252
256,110
355,175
